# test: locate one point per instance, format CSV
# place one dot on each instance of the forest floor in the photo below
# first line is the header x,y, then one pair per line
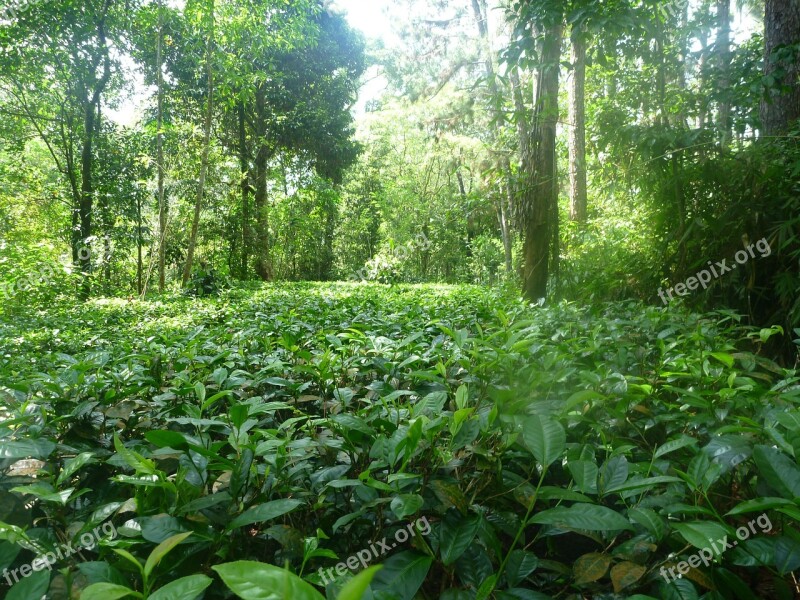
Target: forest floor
x,y
523,452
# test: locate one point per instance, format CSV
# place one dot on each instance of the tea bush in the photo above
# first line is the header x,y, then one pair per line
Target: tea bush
x,y
248,443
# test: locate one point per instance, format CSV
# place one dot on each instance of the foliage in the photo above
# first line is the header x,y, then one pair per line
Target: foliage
x,y
554,451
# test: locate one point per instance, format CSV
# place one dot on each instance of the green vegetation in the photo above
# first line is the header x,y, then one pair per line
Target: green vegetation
x,y
565,450
497,300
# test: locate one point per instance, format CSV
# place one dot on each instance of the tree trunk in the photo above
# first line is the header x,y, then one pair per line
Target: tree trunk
x,y
262,242
187,270
162,205
244,167
504,212
139,246
781,27
90,124
702,108
541,190
577,130
480,11
462,190
724,51
85,208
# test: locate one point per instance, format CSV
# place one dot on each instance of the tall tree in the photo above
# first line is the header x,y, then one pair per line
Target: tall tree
x,y
57,66
162,203
577,124
301,106
781,36
723,53
480,12
538,202
209,116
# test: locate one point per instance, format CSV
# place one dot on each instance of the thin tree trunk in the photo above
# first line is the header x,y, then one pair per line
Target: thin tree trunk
x,y
480,12
105,216
702,109
781,27
244,167
162,205
139,245
577,130
504,212
263,260
90,123
462,190
87,191
187,270
724,51
541,191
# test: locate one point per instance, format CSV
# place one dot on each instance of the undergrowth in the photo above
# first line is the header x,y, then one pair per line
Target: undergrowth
x,y
259,438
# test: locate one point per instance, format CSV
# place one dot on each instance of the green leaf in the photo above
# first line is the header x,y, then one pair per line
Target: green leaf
x,y
107,591
32,587
581,397
405,505
402,575
160,551
725,358
130,558
456,534
585,474
8,553
45,492
136,461
787,555
200,391
159,528
588,517
185,588
432,404
73,465
358,585
613,473
673,445
252,580
167,439
778,470
678,589
551,492
702,534
38,449
637,484
545,438
650,520
264,512
16,535
759,505
487,587
520,564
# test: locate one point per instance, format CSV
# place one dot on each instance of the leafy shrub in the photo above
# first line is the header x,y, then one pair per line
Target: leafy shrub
x,y
556,452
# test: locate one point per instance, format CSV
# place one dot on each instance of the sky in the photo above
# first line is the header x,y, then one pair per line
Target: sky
x,y
368,16
365,15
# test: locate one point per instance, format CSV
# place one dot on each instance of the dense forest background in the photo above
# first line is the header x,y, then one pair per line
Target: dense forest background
x,y
585,149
